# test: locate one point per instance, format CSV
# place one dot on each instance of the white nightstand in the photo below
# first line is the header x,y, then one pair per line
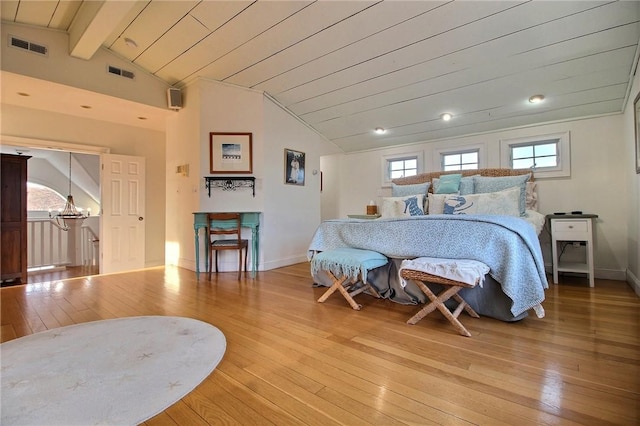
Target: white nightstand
x,y
567,229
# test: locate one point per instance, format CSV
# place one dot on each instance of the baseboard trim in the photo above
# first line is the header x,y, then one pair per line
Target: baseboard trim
x,y
634,282
600,273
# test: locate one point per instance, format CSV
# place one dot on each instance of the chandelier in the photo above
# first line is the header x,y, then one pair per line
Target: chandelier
x,y
70,211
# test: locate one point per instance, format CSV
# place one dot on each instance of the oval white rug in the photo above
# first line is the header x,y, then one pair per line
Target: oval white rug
x,y
120,371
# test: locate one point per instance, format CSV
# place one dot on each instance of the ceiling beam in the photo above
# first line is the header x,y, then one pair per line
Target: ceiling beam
x,y
93,23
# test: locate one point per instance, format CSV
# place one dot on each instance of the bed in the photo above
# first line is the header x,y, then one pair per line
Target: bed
x,y
507,243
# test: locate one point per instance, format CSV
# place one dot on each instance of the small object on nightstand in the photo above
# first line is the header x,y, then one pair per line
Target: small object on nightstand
x,y
576,212
559,213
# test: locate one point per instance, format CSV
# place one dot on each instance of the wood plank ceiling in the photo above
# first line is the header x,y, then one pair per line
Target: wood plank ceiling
x,y
348,67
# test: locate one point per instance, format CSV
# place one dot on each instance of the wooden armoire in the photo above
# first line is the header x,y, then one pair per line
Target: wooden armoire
x,y
13,218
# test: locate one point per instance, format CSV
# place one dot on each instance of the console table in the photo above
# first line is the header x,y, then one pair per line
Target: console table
x,y
247,220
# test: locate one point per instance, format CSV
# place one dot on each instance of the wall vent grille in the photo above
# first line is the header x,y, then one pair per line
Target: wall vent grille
x,y
28,46
122,73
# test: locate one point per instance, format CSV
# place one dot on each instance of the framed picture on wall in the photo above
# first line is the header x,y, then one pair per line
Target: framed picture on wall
x,y
636,120
230,153
293,167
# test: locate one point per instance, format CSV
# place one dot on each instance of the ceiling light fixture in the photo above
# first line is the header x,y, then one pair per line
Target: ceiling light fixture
x,y
131,43
70,211
380,130
85,106
446,116
23,94
535,99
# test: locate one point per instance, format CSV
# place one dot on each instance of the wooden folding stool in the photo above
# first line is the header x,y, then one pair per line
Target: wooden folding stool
x,y
437,302
347,267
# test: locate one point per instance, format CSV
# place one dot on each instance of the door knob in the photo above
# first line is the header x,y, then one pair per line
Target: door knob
x,y
140,218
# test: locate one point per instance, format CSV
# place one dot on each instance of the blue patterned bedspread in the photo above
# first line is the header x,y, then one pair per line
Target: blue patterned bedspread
x,y
508,245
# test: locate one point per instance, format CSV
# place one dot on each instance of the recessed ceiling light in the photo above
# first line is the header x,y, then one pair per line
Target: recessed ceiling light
x,y
536,99
142,118
380,130
131,43
85,106
446,116
23,94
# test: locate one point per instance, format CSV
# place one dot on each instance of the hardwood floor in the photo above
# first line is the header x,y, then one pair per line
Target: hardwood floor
x,y
291,360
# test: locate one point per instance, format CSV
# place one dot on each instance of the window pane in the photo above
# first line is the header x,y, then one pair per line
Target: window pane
x,y
469,157
452,167
546,149
546,162
43,198
397,174
526,163
522,152
411,164
470,166
410,172
397,165
451,159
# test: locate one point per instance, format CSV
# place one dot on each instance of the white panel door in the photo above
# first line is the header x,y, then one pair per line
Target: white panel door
x,y
122,184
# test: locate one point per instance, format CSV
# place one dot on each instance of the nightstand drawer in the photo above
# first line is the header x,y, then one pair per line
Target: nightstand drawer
x,y
570,225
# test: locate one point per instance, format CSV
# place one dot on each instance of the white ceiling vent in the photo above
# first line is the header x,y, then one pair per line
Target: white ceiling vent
x,y
123,73
28,46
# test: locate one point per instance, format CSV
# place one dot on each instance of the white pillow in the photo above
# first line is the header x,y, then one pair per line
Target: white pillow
x,y
532,196
402,206
436,202
505,203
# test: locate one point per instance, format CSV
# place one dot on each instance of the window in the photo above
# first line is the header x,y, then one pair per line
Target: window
x,y
43,198
461,157
403,168
535,156
463,160
546,155
400,165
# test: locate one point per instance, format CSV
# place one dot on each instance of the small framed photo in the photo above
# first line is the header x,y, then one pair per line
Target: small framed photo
x,y
230,153
293,167
636,120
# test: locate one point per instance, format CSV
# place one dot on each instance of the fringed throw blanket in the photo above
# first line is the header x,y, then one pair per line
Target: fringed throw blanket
x,y
508,245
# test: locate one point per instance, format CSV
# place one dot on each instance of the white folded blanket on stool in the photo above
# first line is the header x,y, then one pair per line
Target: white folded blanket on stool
x,y
467,271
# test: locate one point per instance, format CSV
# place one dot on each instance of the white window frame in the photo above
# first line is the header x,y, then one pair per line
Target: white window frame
x,y
387,159
439,153
460,153
563,169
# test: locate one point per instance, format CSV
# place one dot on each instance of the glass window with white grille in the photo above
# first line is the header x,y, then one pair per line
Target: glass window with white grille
x,y
403,167
463,160
546,155
536,156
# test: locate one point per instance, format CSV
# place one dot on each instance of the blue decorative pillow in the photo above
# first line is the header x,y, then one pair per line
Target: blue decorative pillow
x,y
449,184
466,185
494,184
404,190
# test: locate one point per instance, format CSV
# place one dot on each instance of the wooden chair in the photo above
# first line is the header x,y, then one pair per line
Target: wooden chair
x,y
226,224
451,289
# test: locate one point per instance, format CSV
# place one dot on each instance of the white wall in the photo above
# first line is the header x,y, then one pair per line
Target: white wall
x,y
126,140
290,214
633,190
597,183
57,66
